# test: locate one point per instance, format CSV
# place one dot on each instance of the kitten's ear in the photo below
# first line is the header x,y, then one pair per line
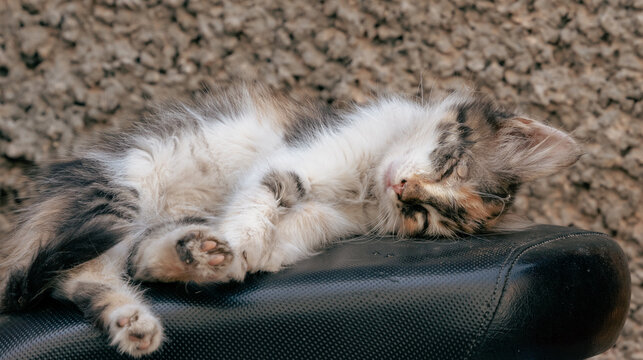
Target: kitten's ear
x,y
535,149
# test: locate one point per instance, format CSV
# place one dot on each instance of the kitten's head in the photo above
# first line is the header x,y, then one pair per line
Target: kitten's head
x,y
457,168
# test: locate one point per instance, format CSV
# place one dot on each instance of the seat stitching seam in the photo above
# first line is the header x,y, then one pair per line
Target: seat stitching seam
x,y
484,330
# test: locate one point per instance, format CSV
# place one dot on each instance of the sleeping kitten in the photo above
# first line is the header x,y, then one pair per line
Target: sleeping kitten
x,y
250,180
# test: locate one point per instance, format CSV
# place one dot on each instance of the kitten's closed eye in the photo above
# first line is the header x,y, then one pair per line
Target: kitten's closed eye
x,y
456,167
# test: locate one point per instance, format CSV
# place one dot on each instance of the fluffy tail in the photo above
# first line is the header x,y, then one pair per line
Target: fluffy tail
x,y
79,215
24,287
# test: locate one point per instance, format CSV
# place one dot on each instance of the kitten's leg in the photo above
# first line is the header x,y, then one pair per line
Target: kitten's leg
x,y
196,249
302,231
274,222
281,220
267,225
252,217
99,290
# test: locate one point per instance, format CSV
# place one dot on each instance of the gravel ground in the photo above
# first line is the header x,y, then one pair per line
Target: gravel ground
x,y
71,67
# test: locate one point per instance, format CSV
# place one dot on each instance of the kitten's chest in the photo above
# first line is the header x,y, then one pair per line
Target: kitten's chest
x,y
346,184
339,168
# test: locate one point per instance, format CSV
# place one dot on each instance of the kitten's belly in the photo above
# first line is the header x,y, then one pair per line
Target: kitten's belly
x,y
193,173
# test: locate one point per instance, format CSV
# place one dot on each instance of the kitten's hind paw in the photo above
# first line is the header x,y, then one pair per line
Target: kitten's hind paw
x,y
207,256
187,254
134,330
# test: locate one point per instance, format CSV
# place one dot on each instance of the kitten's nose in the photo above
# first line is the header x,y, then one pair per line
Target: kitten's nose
x,y
399,188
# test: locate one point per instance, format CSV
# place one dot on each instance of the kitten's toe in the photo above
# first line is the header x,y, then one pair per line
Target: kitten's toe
x,y
135,331
208,245
216,259
123,321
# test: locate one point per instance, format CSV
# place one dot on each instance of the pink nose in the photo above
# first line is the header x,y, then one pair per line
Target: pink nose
x,y
399,188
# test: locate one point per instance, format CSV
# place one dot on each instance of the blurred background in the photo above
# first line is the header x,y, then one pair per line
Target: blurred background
x,y
69,68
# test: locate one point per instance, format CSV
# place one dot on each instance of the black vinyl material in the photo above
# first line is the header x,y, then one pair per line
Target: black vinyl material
x,y
545,293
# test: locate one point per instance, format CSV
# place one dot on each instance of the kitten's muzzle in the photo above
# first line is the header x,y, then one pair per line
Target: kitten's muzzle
x,y
398,188
409,191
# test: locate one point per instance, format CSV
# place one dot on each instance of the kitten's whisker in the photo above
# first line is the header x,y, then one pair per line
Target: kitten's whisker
x,y
488,195
493,196
379,223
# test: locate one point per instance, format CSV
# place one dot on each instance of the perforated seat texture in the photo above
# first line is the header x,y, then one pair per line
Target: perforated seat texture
x,y
545,293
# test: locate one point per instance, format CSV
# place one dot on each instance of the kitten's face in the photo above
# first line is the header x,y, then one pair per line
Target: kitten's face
x,y
459,167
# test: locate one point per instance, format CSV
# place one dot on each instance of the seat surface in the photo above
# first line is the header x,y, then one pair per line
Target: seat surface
x,y
548,292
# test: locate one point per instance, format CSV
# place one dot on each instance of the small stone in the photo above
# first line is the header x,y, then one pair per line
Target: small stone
x,y
476,64
311,56
637,234
630,61
70,29
173,3
110,98
444,45
637,295
609,22
388,33
511,77
104,14
638,315
148,60
152,77
32,39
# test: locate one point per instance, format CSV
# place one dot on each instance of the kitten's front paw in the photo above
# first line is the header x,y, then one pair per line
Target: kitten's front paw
x,y
134,330
208,257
